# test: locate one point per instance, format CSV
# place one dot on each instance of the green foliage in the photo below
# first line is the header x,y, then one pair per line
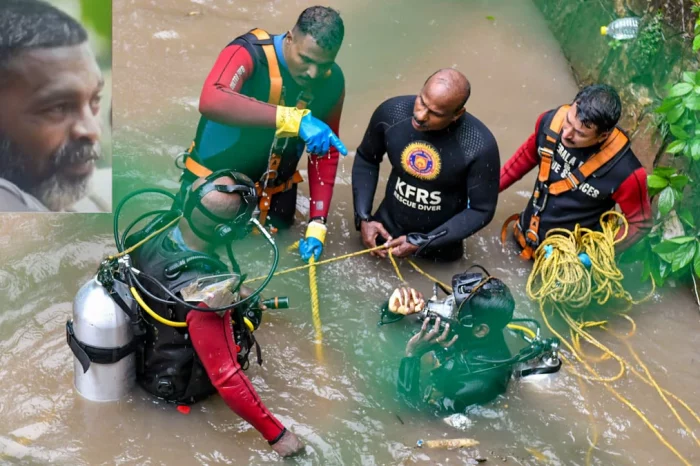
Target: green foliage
x,y
649,42
672,249
97,14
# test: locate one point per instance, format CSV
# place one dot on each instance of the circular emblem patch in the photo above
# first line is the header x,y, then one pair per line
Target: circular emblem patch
x,y
421,160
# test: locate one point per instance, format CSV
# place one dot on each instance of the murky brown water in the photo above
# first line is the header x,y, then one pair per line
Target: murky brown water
x,y
344,408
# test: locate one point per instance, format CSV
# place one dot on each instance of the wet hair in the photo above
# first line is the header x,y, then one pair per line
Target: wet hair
x,y
456,82
324,24
598,105
493,304
34,24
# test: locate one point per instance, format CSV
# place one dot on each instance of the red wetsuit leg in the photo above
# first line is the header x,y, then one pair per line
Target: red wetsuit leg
x,y
212,339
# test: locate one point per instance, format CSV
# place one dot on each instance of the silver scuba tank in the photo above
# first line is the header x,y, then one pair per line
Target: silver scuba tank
x,y
102,341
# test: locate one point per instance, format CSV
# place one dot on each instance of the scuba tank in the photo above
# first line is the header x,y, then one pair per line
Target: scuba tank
x,y
102,340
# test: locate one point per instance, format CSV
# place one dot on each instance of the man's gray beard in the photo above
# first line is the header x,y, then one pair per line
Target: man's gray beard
x,y
58,192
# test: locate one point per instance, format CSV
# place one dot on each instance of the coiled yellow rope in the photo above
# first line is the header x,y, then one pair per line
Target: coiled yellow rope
x,y
559,280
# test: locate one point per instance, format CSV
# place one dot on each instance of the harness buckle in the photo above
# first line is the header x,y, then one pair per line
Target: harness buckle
x,y
544,196
573,181
532,238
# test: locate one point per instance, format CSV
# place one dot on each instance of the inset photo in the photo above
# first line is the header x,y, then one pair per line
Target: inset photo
x,y
55,106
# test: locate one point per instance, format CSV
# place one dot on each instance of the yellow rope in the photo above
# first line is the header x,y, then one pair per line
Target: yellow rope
x,y
315,309
135,246
396,267
560,280
596,376
323,262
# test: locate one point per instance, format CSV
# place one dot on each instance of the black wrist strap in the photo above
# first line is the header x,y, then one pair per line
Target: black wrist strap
x,y
277,439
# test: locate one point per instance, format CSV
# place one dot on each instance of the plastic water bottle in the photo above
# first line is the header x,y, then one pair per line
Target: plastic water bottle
x,y
621,29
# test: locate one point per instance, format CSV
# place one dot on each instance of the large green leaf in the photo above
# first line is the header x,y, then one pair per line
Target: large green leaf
x,y
679,181
695,149
692,102
683,256
696,262
679,132
687,217
675,147
675,114
668,104
696,43
656,182
664,172
681,239
680,89
667,199
689,77
665,247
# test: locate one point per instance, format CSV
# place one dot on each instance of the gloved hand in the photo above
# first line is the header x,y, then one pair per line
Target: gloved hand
x,y
318,136
585,260
312,245
288,120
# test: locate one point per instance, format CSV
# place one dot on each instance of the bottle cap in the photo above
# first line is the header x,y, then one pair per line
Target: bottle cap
x,y
603,30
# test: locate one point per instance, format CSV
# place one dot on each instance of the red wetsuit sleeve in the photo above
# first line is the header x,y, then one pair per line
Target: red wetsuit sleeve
x,y
322,170
633,198
524,160
212,338
221,100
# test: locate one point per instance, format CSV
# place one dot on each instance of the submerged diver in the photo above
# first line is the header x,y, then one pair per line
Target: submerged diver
x,y
248,125
464,336
586,166
187,365
443,185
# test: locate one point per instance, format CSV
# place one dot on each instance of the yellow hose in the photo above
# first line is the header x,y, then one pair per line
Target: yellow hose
x,y
172,323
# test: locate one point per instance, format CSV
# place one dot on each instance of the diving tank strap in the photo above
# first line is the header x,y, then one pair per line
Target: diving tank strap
x,y
87,354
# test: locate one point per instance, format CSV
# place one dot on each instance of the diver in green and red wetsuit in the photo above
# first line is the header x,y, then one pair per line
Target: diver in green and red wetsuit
x,y
266,99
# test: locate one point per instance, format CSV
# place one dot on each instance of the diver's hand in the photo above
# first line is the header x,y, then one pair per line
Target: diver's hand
x,y
369,231
406,301
425,340
318,136
400,247
288,445
312,244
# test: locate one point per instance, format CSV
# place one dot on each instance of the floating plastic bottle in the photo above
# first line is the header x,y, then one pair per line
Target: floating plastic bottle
x,y
621,29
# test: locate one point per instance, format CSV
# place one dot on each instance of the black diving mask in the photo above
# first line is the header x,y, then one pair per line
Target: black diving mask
x,y
226,229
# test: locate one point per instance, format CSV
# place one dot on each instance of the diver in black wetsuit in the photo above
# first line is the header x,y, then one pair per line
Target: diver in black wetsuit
x,y
443,185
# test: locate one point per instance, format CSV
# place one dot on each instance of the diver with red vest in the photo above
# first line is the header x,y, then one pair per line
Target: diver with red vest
x,y
586,167
264,101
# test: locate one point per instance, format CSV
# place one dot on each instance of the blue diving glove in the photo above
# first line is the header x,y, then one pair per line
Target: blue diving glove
x,y
312,245
318,136
585,260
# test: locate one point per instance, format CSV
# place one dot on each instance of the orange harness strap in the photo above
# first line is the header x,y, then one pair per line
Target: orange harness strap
x,y
273,66
265,195
526,250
